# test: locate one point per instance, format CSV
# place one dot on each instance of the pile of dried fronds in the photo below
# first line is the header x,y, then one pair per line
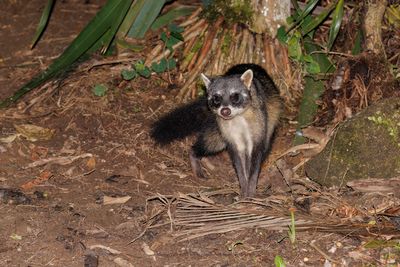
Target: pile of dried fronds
x,y
214,47
199,214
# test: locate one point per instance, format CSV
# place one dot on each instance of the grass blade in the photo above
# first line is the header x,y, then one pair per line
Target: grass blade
x,y
315,22
171,15
145,18
336,22
44,19
308,8
93,32
133,12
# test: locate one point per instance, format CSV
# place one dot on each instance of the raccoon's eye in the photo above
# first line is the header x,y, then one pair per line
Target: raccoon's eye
x,y
235,98
216,100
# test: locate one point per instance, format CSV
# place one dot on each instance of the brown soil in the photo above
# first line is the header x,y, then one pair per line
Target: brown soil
x,y
61,219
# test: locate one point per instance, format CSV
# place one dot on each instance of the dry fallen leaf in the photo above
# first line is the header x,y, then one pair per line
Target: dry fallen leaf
x,y
108,249
34,133
91,163
9,139
115,200
147,250
43,176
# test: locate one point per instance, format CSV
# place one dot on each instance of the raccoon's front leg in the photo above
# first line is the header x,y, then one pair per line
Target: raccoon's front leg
x,y
239,162
256,162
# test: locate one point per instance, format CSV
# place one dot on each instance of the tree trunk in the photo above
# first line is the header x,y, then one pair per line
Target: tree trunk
x,y
269,15
373,26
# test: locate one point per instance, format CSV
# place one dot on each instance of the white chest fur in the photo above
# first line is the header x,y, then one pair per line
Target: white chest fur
x,y
237,131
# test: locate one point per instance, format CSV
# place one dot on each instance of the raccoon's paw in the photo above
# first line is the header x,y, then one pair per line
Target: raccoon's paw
x,y
196,166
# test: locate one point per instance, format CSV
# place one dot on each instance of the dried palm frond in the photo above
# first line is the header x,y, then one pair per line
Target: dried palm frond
x,y
199,214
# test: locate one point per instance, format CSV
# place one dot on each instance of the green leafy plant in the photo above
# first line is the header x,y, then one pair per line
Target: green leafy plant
x,y
116,19
99,90
44,19
311,55
279,262
170,38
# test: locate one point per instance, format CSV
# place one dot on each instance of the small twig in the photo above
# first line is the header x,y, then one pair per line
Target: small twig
x,y
58,160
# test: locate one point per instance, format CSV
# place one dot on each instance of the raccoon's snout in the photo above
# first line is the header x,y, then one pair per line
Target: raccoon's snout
x,y
226,112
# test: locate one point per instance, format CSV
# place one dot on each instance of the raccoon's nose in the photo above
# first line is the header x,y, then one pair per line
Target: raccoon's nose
x,y
225,112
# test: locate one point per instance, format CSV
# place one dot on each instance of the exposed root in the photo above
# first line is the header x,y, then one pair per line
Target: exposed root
x,y
213,48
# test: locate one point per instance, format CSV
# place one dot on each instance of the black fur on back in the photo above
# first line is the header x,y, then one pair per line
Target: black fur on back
x,y
259,74
184,121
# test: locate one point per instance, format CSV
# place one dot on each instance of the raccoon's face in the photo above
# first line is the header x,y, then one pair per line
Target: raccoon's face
x,y
227,96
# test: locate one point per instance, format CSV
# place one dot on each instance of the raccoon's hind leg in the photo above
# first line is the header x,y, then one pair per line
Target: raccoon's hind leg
x,y
208,143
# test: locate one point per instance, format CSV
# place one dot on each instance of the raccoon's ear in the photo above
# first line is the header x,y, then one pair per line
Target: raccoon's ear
x,y
206,80
247,78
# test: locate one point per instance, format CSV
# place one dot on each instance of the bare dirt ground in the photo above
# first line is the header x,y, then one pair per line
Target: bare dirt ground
x,y
58,214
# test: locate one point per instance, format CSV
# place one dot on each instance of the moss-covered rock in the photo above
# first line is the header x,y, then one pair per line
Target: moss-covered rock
x,y
365,146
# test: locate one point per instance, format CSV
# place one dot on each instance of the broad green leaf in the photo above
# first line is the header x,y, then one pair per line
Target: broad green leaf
x,y
128,75
99,90
145,72
142,69
171,42
282,35
139,65
171,64
290,20
312,66
94,31
171,15
336,22
164,37
316,53
173,28
43,22
315,22
177,35
313,89
294,47
148,13
279,262
159,67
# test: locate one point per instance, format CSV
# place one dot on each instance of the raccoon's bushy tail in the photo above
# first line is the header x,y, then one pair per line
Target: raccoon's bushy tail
x,y
181,122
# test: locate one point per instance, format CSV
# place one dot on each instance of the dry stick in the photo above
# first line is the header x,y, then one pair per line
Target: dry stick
x,y
184,92
197,25
189,46
273,57
213,66
212,32
192,18
201,32
286,63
